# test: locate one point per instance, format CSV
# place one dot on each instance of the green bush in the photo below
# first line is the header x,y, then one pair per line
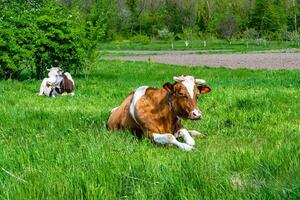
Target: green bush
x,y
292,36
58,44
165,34
31,41
144,39
227,27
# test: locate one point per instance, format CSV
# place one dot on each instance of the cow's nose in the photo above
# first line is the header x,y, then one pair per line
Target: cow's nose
x,y
196,114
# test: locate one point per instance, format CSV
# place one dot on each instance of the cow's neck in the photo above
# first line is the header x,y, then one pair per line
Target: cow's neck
x,y
169,112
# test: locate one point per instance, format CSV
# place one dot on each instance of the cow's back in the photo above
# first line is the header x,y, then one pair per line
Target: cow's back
x,y
68,83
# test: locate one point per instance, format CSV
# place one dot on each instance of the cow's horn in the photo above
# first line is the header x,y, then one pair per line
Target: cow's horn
x,y
200,81
178,78
48,69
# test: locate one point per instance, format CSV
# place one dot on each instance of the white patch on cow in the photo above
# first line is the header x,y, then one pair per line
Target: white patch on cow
x,y
43,84
200,81
68,75
168,138
189,84
187,137
46,87
136,97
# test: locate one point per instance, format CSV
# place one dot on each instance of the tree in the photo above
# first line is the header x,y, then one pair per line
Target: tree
x,y
227,27
268,16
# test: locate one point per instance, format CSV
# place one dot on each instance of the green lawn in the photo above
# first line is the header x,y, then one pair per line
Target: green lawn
x,y
61,149
235,46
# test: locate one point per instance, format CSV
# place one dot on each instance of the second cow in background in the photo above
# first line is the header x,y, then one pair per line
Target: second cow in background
x,y
57,83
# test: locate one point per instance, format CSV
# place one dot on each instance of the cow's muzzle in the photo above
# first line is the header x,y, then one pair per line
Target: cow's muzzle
x,y
195,114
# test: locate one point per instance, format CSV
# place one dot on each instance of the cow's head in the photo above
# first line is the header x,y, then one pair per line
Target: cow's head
x,y
185,93
55,75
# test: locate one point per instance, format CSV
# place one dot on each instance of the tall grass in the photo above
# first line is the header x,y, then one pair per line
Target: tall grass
x,y
58,148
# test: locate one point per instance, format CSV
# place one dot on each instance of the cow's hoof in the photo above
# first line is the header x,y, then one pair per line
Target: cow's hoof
x,y
190,142
186,147
196,134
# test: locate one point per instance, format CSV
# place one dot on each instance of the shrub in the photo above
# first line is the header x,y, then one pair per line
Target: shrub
x,y
59,44
186,35
292,36
261,41
33,40
165,34
144,39
250,34
16,44
227,27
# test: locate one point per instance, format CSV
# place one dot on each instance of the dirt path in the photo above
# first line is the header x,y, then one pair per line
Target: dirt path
x,y
251,60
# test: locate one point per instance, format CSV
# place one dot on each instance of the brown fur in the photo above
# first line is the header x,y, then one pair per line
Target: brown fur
x,y
67,85
120,118
157,111
154,114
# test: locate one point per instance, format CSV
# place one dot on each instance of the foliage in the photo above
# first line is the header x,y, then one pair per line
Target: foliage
x,y
227,27
261,41
186,35
16,36
38,34
250,34
268,16
144,39
165,34
32,40
292,36
62,150
59,42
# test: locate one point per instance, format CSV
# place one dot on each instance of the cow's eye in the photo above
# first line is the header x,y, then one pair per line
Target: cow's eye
x,y
181,94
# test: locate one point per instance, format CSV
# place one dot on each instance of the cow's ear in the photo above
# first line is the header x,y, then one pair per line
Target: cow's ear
x,y
204,89
168,86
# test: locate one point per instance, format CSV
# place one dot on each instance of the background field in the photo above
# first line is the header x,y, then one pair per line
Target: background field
x,y
233,46
61,149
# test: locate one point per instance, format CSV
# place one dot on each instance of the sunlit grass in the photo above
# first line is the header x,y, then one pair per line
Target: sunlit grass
x,y
62,150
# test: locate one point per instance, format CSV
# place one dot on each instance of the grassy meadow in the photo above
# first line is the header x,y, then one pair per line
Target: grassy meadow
x,y
59,148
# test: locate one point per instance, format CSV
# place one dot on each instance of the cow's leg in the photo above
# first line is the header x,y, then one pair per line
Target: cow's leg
x,y
67,94
186,136
195,133
168,138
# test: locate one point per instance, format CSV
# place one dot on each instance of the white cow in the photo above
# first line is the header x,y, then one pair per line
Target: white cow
x,y
57,83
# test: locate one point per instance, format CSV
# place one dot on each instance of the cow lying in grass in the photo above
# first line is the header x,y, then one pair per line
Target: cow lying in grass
x,y
57,83
157,113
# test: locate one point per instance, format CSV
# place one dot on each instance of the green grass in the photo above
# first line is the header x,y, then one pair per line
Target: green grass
x,y
61,148
235,46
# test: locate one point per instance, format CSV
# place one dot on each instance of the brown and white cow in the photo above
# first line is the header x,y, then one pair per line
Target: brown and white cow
x,y
57,83
157,113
